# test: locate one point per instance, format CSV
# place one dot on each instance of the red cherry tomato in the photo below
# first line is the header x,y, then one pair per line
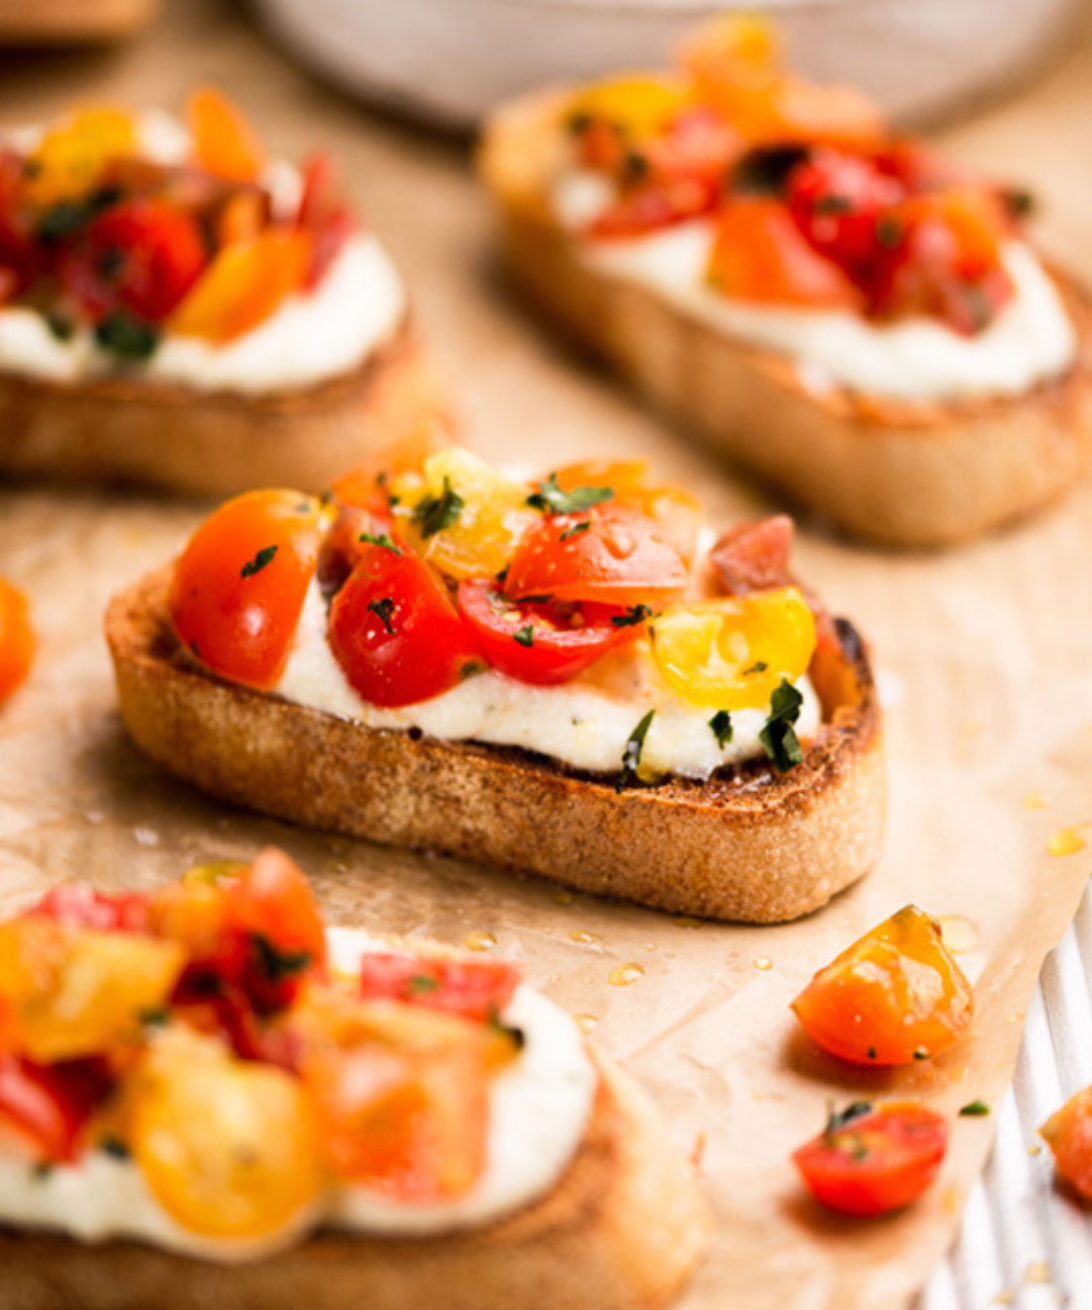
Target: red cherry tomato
x,y
142,256
240,584
46,1107
470,988
79,905
609,554
17,641
869,1161
273,900
539,643
395,630
837,200
1068,1133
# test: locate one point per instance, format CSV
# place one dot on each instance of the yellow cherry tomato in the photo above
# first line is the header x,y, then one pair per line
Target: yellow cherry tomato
x,y
71,157
228,1147
733,653
639,105
461,515
75,992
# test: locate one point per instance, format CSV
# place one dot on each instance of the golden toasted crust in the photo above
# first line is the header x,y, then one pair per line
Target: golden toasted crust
x,y
623,1230
177,438
750,844
902,474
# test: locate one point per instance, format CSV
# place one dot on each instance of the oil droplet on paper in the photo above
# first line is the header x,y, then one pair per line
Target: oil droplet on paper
x,y
1038,1272
625,974
1034,1149
1034,800
563,897
479,941
1003,1298
581,937
587,1022
960,934
687,923
1066,841
763,962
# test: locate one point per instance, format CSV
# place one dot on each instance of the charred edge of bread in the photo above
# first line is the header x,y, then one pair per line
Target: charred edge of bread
x,y
750,844
899,473
123,428
623,1230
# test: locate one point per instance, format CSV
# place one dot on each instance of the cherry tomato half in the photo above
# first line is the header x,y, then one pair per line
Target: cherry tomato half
x,y
395,630
474,989
609,554
45,1107
240,584
324,214
143,256
16,639
895,996
1068,1133
869,1161
538,643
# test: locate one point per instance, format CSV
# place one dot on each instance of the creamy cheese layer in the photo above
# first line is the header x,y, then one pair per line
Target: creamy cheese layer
x,y
584,723
358,305
539,1109
1031,340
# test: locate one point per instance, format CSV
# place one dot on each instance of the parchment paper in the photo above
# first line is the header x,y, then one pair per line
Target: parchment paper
x,y
986,659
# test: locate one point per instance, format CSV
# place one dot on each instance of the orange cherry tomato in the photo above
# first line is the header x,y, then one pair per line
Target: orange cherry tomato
x,y
870,1161
273,900
608,554
240,584
895,996
368,485
676,513
761,255
1068,1133
244,285
224,143
16,639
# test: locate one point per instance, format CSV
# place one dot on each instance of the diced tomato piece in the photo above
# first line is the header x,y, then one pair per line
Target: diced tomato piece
x,y
79,905
17,641
1068,1133
870,1161
20,256
324,214
761,255
608,554
754,556
45,1107
395,631
142,256
224,143
239,587
368,485
543,643
894,996
473,989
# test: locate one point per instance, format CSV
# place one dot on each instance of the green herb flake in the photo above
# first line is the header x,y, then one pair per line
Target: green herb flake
x,y
274,963
974,1110
551,499
127,337
760,666
42,1170
383,609
921,1053
264,556
114,1147
721,725
437,513
778,738
888,231
574,532
515,1035
381,540
631,756
60,325
155,1017
421,984
834,204
526,635
837,1120
634,615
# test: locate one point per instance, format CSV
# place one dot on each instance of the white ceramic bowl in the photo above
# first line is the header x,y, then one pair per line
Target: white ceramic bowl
x,y
451,61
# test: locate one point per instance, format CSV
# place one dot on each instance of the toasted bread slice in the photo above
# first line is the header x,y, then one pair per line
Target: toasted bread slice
x,y
750,844
903,474
216,443
623,1230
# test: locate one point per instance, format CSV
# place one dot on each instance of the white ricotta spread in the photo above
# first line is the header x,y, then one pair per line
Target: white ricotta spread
x,y
584,723
313,335
917,359
539,1108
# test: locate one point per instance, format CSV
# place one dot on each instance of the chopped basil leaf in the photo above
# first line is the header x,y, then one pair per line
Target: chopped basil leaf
x,y
974,1110
274,963
572,532
721,724
515,1035
383,609
114,1147
760,666
255,565
634,615
155,1017
550,497
921,1053
888,231
436,513
778,738
421,983
59,325
839,1119
381,540
1019,202
631,756
872,1053
526,635
766,172
68,217
126,336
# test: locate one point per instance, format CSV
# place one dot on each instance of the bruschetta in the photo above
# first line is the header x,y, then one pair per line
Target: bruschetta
x,y
206,1090
844,313
180,311
558,675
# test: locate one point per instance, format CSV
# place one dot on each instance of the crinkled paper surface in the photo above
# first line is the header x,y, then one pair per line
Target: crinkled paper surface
x,y
985,658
